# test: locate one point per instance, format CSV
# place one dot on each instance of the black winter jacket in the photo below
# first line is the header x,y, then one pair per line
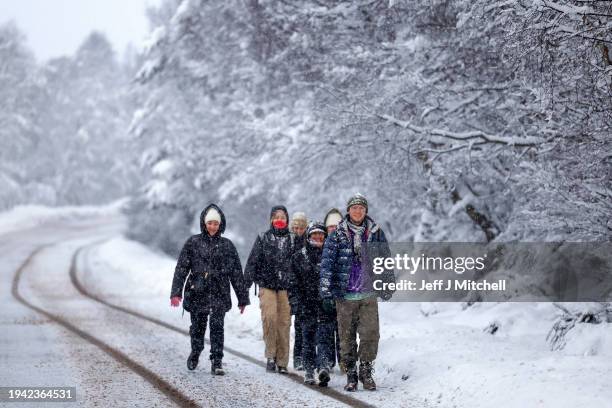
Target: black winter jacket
x,y
304,293
270,259
208,265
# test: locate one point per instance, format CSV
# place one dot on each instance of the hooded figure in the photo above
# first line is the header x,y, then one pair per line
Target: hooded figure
x,y
270,256
207,265
268,267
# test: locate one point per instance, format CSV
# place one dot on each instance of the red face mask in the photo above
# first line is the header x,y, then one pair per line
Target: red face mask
x,y
279,224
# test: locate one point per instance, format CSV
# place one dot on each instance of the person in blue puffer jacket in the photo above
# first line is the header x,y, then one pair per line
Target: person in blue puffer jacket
x,y
346,280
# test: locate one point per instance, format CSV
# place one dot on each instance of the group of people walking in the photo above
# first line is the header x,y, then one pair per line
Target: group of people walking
x,y
315,271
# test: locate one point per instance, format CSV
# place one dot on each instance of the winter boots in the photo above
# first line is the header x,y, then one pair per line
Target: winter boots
x,y
216,367
309,378
366,369
323,377
351,377
271,365
192,360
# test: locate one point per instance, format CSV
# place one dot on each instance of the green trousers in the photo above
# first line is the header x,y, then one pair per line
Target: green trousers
x,y
358,317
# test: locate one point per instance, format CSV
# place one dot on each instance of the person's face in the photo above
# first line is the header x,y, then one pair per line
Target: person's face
x,y
317,239
279,215
212,227
357,213
299,230
331,228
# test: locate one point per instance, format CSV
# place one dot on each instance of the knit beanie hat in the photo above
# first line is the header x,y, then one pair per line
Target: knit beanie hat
x,y
299,219
212,215
333,218
355,200
316,226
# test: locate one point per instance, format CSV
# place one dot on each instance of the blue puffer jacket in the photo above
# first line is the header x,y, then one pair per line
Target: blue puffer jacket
x,y
338,255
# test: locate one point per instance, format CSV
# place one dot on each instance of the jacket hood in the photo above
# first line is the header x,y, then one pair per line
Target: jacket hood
x,y
203,214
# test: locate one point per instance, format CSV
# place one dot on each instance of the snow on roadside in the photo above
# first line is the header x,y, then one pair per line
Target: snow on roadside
x,y
436,353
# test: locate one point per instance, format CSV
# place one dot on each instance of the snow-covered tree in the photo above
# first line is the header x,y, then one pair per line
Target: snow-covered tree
x,y
22,90
64,125
460,120
86,125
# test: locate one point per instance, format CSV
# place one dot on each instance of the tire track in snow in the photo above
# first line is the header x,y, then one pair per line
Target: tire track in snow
x,y
156,381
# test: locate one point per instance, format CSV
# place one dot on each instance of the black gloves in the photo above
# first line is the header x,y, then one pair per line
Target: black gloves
x,y
328,306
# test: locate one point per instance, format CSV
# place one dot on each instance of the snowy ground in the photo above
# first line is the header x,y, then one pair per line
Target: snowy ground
x,y
429,355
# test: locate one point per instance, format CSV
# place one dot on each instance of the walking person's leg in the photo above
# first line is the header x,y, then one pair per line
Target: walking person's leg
x,y
369,335
309,348
197,330
217,321
268,306
283,331
348,316
325,350
325,345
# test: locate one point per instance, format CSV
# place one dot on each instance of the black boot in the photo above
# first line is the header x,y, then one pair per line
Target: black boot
x,y
366,370
352,381
323,377
192,360
271,365
216,367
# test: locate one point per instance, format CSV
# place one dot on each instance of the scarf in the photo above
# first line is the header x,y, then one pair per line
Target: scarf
x,y
358,230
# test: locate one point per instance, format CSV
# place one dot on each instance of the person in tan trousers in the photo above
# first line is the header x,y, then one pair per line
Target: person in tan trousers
x,y
268,267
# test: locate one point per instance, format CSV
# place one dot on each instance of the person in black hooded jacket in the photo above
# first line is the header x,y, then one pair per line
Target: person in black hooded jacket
x,y
268,267
207,265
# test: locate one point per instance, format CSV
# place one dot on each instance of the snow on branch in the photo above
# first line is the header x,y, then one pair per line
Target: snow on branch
x,y
476,134
571,11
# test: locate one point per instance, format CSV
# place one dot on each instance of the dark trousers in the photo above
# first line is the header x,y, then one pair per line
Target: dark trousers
x,y
319,344
297,344
309,342
197,330
327,344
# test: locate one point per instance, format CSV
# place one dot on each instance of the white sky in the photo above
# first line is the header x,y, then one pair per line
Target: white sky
x,y
57,27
